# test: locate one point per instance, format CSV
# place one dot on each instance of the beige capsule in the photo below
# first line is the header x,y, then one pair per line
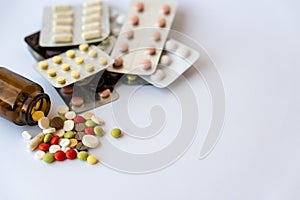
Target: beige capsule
x,y
89,35
91,26
63,21
61,7
62,38
91,18
62,29
34,143
66,14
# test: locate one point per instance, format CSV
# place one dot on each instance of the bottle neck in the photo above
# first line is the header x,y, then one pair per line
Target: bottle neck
x,y
36,101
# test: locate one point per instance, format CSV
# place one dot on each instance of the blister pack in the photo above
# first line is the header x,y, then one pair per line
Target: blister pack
x,y
143,35
67,25
176,59
73,65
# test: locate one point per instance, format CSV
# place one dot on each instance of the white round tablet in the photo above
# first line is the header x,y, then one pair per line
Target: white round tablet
x,y
158,75
120,19
165,60
70,115
90,141
171,45
39,155
59,133
68,125
44,122
183,52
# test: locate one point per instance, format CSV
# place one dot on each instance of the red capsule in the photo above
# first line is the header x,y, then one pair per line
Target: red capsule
x,y
71,154
89,130
79,119
54,140
44,147
60,155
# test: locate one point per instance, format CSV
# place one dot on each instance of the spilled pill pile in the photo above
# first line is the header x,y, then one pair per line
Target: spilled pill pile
x,y
67,136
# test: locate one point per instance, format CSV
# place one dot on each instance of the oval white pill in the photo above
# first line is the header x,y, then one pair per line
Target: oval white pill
x,y
44,122
64,142
54,148
90,141
70,115
68,125
158,75
165,60
49,130
183,52
171,46
39,155
26,135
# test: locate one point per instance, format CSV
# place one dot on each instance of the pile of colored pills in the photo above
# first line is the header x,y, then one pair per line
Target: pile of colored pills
x,y
67,136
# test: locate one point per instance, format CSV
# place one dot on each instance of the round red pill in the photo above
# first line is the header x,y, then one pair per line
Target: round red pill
x,y
60,155
165,9
89,130
54,139
118,62
77,101
44,147
71,154
139,6
79,119
134,20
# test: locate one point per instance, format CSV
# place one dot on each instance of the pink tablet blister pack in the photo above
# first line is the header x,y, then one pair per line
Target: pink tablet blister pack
x,y
68,25
143,36
175,60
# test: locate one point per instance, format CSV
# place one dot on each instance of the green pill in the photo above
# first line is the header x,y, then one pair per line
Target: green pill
x,y
63,117
48,158
47,137
82,155
69,134
106,41
90,123
131,77
116,133
98,130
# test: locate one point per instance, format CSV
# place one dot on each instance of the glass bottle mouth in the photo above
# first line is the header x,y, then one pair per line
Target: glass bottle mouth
x,y
39,102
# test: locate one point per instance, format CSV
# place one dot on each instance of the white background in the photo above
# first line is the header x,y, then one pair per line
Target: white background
x,y
255,46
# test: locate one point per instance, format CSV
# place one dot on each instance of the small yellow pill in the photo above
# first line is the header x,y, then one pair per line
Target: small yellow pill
x,y
57,59
43,65
51,72
71,53
102,61
75,74
66,67
37,115
89,67
61,80
92,159
79,60
84,47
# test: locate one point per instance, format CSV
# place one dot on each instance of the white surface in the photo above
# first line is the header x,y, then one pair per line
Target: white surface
x,y
255,45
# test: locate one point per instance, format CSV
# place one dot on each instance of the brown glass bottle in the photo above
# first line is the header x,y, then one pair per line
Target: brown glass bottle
x,y
20,98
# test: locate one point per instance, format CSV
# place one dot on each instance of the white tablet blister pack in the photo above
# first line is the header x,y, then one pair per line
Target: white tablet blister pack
x,y
73,65
143,35
67,25
175,60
